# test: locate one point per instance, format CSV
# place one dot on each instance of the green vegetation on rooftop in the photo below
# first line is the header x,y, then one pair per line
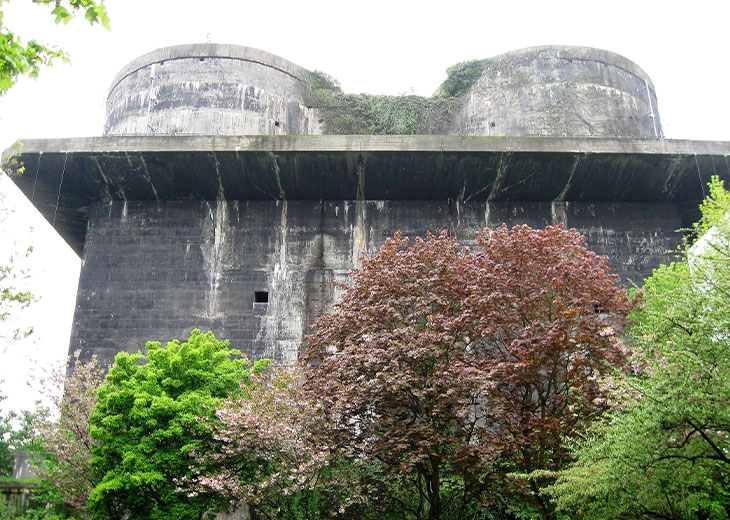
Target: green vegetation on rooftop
x,y
367,114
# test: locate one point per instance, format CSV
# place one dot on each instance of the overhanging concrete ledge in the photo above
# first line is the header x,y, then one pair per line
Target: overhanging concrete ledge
x,y
369,143
62,177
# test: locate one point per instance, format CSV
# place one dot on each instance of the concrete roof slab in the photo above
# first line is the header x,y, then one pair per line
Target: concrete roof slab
x,y
62,177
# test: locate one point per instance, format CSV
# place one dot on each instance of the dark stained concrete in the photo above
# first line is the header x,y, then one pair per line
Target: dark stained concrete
x,y
64,177
155,270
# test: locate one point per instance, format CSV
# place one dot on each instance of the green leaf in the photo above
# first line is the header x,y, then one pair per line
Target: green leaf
x,y
62,14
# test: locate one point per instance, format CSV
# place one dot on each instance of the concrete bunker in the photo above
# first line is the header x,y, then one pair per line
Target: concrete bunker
x,y
196,206
209,89
560,90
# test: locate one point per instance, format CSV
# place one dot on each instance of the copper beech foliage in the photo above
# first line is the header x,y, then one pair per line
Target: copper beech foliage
x,y
448,368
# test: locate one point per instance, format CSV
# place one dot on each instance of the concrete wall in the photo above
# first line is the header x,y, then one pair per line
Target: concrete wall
x,y
258,272
210,89
15,496
155,270
22,465
231,90
560,90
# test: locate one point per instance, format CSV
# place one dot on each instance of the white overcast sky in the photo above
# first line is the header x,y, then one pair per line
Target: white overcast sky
x,y
379,47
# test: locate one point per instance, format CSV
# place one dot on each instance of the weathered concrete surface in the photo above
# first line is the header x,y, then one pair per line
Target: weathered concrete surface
x,y
21,465
233,90
63,177
15,496
210,89
560,90
155,270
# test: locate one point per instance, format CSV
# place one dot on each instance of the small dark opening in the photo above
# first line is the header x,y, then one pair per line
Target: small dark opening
x,y
276,123
261,297
202,59
492,124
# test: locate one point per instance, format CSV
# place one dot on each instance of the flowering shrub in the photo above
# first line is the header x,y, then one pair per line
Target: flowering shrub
x,y
66,440
271,450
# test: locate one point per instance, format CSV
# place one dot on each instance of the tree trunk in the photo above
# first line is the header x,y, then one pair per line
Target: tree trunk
x,y
434,490
547,510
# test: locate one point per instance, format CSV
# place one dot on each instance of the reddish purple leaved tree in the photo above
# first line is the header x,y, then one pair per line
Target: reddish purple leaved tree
x,y
444,369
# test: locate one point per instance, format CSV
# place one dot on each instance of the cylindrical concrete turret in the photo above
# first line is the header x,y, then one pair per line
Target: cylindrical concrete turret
x,y
209,89
560,91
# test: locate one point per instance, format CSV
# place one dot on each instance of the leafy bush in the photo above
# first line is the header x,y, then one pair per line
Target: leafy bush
x,y
663,451
148,419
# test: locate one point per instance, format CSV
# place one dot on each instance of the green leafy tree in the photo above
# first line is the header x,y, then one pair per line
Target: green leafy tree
x,y
664,451
18,58
12,300
148,419
17,432
714,208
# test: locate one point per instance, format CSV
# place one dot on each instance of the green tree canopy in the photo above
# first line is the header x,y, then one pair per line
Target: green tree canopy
x,y
664,451
11,300
17,432
147,422
18,57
